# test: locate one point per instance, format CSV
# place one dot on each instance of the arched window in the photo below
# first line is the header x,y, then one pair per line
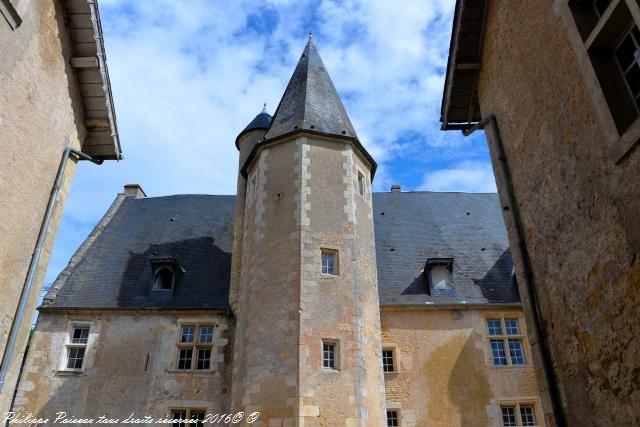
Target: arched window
x,y
163,279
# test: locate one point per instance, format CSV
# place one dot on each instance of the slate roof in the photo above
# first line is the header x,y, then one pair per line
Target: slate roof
x,y
261,121
411,227
311,101
116,271
197,230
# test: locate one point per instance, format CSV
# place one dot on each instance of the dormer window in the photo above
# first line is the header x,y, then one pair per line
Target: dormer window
x,y
164,279
440,273
166,272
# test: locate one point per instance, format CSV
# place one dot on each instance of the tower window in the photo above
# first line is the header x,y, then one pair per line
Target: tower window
x,y
329,262
163,279
361,184
329,354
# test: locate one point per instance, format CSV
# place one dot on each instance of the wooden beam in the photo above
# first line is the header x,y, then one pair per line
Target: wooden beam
x,y
84,62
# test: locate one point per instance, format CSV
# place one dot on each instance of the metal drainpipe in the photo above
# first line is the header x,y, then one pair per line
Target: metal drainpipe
x,y
527,275
35,260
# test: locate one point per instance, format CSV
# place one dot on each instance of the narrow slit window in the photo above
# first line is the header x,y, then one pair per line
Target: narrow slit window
x,y
361,184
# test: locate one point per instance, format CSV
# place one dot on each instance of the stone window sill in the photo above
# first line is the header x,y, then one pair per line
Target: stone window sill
x,y
191,371
392,373
69,372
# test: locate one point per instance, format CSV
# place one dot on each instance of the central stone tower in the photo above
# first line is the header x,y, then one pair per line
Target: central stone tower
x,y
304,287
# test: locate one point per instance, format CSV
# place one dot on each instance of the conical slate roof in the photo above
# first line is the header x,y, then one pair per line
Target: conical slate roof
x,y
310,101
261,121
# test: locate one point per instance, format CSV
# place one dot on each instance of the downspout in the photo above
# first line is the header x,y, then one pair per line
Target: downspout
x,y
527,275
35,260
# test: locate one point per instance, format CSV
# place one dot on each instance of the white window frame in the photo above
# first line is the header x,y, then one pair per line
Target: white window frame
x,y
336,354
394,359
196,345
69,344
504,338
618,145
517,403
336,262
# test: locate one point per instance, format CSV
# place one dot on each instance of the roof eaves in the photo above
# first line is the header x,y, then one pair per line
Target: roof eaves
x,y
468,66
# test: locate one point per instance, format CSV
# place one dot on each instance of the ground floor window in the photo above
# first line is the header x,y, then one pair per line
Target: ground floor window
x,y
392,418
188,417
518,414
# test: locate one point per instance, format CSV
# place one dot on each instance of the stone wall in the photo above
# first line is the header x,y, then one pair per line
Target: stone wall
x,y
444,375
579,210
301,198
130,366
39,116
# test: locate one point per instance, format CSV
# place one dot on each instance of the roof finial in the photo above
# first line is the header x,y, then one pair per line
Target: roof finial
x,y
264,107
310,36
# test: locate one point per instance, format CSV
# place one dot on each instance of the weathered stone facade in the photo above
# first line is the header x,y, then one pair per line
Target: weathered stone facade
x,y
41,114
576,187
444,374
129,367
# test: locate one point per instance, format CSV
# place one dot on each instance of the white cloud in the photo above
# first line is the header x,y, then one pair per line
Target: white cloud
x,y
187,78
469,177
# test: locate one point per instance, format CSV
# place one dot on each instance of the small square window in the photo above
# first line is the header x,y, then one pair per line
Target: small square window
x,y
206,334
329,355
494,327
392,418
387,360
188,334
179,416
75,359
80,335
509,416
329,262
511,326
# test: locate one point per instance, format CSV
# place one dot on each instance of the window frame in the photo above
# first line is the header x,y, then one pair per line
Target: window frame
x,y
69,344
505,338
195,346
189,413
394,359
336,262
439,262
517,405
336,354
361,184
397,416
618,145
157,269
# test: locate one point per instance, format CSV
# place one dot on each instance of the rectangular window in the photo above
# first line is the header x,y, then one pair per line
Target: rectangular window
x,y
329,355
518,415
387,360
195,345
509,416
506,342
392,418
76,346
361,184
329,262
188,417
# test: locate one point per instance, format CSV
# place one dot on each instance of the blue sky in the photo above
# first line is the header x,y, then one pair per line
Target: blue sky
x,y
188,76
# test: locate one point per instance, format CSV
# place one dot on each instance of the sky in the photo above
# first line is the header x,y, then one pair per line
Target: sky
x,y
188,76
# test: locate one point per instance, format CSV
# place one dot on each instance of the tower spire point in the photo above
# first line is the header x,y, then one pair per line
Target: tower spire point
x,y
264,107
